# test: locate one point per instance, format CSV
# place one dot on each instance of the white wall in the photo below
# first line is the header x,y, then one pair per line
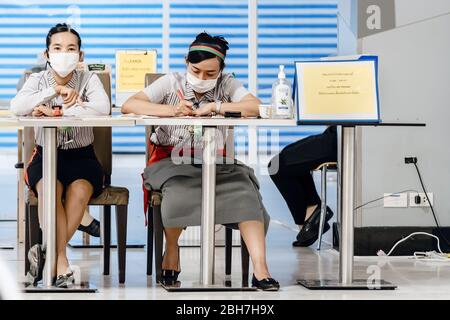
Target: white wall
x,y
414,86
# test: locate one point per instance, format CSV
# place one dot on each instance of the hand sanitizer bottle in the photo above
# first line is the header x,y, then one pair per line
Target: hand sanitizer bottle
x,y
281,96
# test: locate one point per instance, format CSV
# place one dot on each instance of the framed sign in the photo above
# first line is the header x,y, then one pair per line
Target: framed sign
x,y
337,90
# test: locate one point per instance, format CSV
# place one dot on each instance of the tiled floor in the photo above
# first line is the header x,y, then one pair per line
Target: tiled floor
x,y
415,280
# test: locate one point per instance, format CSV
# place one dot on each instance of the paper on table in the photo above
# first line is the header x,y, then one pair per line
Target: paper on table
x,y
137,116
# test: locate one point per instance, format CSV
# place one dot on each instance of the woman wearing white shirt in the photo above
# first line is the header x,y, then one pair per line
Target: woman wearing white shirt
x,y
61,90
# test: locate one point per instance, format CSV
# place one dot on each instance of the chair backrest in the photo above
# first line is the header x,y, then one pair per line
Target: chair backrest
x,y
102,137
149,79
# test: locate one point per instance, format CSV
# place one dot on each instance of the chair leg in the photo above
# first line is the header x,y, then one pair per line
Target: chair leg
x,y
323,209
121,227
228,250
33,229
150,241
27,238
245,258
158,242
106,239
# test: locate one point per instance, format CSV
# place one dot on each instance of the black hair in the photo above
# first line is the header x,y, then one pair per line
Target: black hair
x,y
217,42
61,27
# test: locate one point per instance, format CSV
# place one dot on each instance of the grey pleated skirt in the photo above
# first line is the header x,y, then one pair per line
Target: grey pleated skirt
x,y
237,193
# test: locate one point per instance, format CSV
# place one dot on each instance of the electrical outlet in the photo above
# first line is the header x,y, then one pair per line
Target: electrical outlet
x,y
423,201
397,200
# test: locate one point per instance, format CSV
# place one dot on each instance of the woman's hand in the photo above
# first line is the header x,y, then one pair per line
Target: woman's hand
x,y
43,110
205,110
37,112
69,95
184,108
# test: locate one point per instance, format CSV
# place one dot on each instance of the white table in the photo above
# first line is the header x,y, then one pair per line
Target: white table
x,y
49,126
208,188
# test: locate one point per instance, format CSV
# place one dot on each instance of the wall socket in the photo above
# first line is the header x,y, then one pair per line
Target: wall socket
x,y
423,199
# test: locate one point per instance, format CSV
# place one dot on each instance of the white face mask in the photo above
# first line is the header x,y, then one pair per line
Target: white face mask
x,y
201,86
64,63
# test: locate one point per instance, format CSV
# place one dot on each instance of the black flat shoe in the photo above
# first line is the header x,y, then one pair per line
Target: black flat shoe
x,y
310,241
92,229
170,277
310,230
36,257
267,284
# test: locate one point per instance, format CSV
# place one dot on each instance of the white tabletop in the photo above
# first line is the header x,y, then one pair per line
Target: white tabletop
x,y
214,121
8,121
91,121
113,121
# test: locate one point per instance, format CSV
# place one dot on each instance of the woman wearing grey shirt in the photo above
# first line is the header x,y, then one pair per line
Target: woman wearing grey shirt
x,y
55,92
204,90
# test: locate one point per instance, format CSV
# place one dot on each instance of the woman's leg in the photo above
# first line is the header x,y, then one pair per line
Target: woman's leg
x,y
171,260
77,197
87,218
254,237
288,180
312,198
78,194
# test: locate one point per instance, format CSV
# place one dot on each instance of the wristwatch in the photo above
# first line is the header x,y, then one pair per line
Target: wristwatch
x,y
57,112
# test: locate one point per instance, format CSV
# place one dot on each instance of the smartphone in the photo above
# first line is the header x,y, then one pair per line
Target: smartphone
x,y
232,114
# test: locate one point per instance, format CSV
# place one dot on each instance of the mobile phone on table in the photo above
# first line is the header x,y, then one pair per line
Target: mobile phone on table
x,y
233,114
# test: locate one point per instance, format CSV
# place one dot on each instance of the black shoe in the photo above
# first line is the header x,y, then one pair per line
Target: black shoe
x,y
310,228
92,229
36,257
170,277
267,284
308,242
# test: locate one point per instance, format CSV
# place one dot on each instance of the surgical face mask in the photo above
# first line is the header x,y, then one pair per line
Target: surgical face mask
x,y
64,63
201,86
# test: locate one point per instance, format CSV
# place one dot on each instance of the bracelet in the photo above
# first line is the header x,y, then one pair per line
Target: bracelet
x,y
218,106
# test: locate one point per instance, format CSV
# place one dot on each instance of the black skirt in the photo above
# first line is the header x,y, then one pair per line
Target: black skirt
x,y
72,165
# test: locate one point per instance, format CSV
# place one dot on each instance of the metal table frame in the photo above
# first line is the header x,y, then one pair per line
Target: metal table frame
x,y
346,181
49,126
207,281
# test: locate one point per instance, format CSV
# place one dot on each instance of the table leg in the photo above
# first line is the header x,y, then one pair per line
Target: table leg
x,y
346,244
346,241
49,201
49,206
207,224
208,206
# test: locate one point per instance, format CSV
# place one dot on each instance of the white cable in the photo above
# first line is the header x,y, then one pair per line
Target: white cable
x,y
381,252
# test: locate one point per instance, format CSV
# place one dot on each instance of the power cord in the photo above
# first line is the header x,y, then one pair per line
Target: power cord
x,y
430,255
429,202
382,253
381,198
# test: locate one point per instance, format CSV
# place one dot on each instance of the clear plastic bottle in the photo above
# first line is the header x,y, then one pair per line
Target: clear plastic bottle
x,y
282,96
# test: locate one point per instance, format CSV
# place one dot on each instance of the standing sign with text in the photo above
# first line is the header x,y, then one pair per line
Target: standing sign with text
x,y
338,90
131,68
